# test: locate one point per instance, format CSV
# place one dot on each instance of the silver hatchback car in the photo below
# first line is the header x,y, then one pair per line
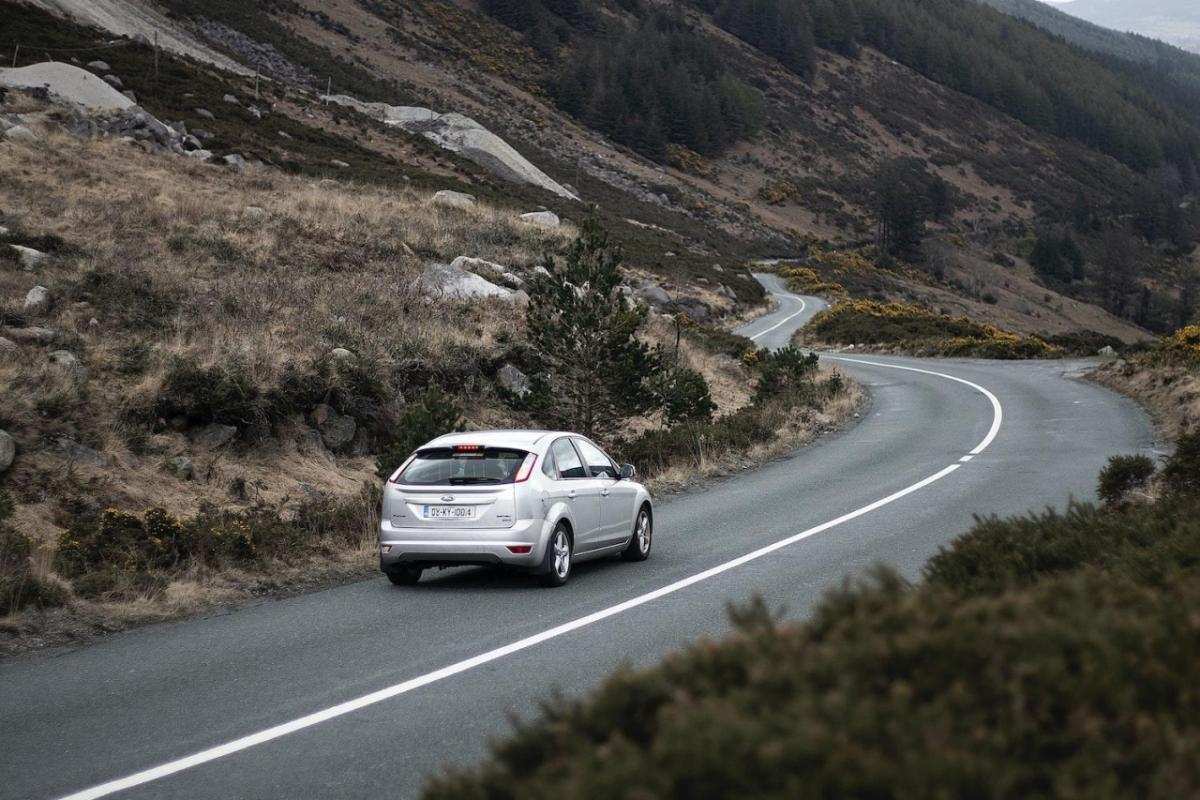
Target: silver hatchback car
x,y
538,500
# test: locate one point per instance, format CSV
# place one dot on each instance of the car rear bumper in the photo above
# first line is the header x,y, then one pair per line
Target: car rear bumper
x,y
421,546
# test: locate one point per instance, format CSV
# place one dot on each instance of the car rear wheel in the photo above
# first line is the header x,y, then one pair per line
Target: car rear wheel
x,y
556,564
643,533
404,576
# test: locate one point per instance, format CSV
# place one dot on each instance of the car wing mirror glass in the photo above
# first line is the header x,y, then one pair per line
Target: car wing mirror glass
x,y
628,472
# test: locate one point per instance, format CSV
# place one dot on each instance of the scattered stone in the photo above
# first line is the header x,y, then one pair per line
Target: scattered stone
x,y
83,455
255,112
231,99
520,297
215,436
204,113
1107,351
547,219
32,335
199,155
513,380
340,354
284,134
308,442
234,160
308,489
512,280
65,359
450,199
336,162
337,430
7,345
191,143
99,66
8,450
37,301
654,294
718,268
254,212
540,270
113,81
20,134
181,467
450,281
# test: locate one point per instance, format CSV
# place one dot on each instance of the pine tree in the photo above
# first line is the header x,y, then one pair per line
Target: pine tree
x,y
593,369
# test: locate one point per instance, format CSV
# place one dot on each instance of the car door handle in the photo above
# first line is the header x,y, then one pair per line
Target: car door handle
x,y
604,492
571,495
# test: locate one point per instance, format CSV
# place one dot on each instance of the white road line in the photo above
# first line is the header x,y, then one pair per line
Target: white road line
x,y
803,306
350,706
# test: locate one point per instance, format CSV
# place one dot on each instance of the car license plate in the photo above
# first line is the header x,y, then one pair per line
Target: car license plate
x,y
449,512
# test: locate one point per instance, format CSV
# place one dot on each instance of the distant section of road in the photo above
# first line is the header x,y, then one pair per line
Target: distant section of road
x,y
365,690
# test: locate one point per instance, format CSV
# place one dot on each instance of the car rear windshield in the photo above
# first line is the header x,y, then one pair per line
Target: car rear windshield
x,y
458,466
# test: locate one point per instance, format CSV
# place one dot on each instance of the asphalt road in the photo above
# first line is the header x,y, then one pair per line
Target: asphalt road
x,y
366,689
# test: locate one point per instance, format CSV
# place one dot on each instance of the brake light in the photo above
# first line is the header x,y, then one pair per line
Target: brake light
x,y
519,549
395,476
526,468
468,448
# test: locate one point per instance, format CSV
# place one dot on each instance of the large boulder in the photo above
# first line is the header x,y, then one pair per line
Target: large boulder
x,y
20,134
513,380
337,430
32,335
69,84
451,199
8,450
654,294
546,219
450,281
462,135
37,301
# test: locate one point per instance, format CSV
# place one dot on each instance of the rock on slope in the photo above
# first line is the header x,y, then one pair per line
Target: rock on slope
x,y
71,84
463,135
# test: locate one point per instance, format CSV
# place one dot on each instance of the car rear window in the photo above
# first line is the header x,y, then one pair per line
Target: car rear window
x,y
462,466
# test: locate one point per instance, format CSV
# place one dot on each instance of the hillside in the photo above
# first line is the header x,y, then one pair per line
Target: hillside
x,y
798,131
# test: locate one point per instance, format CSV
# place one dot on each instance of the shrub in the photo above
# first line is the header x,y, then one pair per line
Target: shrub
x,y
1121,476
785,370
434,414
683,396
1183,344
19,586
1181,472
218,393
1082,688
127,298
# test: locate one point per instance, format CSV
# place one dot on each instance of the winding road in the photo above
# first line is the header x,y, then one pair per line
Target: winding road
x,y
367,689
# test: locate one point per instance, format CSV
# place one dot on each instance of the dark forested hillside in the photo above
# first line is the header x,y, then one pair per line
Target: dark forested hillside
x,y
1142,116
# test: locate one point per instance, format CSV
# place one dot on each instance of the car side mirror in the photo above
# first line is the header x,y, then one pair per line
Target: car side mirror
x,y
628,472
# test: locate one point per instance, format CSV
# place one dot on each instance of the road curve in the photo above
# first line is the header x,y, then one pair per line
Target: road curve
x,y
377,687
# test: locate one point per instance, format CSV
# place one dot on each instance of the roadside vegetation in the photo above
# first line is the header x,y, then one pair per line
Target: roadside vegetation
x,y
1051,655
917,330
1164,377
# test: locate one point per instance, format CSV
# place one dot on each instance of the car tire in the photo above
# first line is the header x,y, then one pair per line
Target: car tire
x,y
556,564
404,576
642,538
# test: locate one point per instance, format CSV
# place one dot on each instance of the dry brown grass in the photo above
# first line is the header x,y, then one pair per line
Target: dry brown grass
x,y
1171,392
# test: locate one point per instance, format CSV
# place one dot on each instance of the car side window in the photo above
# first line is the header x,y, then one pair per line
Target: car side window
x,y
600,465
567,460
548,466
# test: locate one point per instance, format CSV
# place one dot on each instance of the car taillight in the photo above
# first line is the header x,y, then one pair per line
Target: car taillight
x,y
526,468
395,476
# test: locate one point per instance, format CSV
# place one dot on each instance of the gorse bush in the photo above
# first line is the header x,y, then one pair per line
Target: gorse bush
x,y
1181,472
1122,475
914,328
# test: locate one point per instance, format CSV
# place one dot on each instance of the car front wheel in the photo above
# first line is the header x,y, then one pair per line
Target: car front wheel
x,y
643,533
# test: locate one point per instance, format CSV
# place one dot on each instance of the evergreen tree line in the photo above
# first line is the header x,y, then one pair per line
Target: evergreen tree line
x,y
638,73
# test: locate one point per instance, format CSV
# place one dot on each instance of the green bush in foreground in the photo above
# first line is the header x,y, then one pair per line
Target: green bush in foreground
x,y
1121,476
1053,655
